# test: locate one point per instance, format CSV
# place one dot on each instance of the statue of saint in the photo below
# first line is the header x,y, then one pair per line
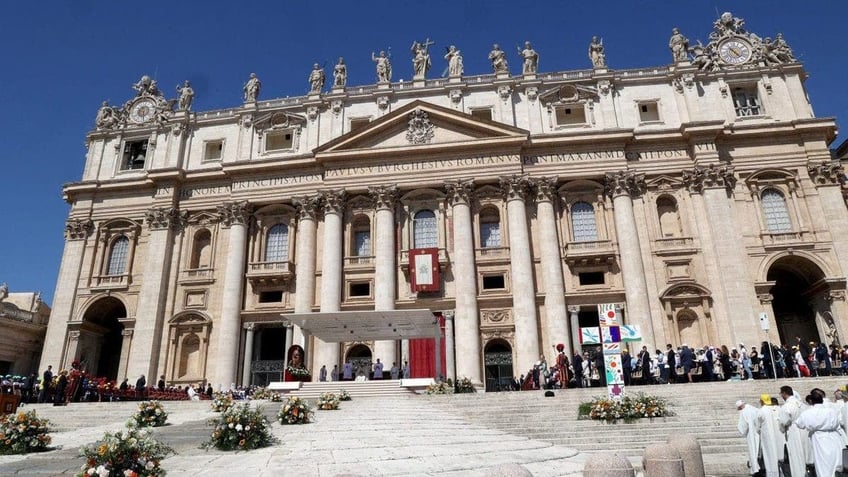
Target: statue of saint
x,y
498,59
340,74
596,53
186,93
679,46
531,59
420,59
384,67
106,118
316,79
454,58
782,50
251,88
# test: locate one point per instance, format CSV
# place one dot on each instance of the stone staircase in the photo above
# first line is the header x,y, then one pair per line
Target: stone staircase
x,y
705,410
386,387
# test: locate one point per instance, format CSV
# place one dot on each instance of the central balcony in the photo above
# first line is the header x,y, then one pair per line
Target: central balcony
x,y
595,252
269,274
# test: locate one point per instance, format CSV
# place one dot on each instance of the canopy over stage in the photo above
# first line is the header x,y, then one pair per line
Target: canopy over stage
x,y
340,326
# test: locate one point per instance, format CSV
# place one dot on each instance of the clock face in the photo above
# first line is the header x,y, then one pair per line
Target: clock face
x,y
735,52
142,111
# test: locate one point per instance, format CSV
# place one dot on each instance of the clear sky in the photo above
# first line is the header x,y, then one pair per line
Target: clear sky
x,y
62,58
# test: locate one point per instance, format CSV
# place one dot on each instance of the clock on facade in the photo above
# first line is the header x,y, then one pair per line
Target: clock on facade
x,y
735,51
142,111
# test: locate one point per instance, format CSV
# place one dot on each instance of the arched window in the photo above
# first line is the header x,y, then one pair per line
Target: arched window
x,y
424,230
669,217
776,213
190,357
277,245
201,253
490,228
118,256
583,222
362,237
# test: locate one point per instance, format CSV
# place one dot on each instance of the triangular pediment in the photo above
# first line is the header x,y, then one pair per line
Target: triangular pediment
x,y
422,125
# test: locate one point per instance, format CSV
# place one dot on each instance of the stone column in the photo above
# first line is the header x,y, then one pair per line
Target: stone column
x,y
574,320
556,319
76,233
304,282
620,186
450,347
385,263
147,337
466,319
515,190
248,354
289,342
331,273
235,216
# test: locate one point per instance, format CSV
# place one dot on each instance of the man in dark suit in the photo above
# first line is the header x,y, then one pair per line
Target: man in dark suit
x,y
671,362
577,364
46,382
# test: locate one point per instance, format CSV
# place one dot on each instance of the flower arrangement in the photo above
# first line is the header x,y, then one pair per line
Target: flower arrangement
x,y
328,402
240,428
150,413
443,387
344,396
133,452
23,433
222,402
627,409
265,393
464,385
294,411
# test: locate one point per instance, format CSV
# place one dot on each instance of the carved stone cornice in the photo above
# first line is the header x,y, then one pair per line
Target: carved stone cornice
x,y
546,189
333,201
459,192
515,187
234,213
624,183
826,173
159,218
76,229
710,177
307,206
384,197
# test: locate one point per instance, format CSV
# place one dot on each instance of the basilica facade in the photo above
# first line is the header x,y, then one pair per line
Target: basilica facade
x,y
699,197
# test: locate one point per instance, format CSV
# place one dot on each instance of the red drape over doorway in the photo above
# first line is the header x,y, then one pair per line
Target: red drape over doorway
x,y
422,354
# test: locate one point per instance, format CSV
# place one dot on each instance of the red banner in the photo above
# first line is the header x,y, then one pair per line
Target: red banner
x,y
424,269
422,354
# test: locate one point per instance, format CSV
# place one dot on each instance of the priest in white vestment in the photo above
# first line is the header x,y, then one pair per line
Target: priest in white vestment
x,y
748,417
771,439
796,438
822,423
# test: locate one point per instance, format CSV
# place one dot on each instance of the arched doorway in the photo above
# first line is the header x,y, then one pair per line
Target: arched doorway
x,y
497,357
797,298
360,357
101,337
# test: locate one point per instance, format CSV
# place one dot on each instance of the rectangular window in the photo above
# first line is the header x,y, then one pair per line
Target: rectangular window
x,y
494,282
591,278
213,150
271,296
649,112
571,115
135,155
360,289
358,123
482,113
279,140
746,102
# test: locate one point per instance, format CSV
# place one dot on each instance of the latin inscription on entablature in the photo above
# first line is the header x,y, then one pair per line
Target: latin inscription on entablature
x,y
248,184
573,157
418,166
657,154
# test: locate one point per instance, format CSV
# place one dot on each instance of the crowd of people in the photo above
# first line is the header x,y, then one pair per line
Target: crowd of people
x,y
687,364
787,439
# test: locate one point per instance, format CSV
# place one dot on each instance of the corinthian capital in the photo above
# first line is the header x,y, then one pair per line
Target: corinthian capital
x,y
307,206
384,196
76,229
459,191
624,183
158,218
234,213
826,173
711,177
546,189
333,201
515,187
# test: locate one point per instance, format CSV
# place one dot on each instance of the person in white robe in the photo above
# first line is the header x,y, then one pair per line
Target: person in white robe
x,y
797,439
748,417
841,396
771,439
822,423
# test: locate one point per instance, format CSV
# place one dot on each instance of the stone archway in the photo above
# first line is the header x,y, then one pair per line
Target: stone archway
x,y
360,357
497,358
101,338
799,299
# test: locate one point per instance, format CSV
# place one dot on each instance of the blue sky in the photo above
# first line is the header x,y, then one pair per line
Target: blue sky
x,y
61,59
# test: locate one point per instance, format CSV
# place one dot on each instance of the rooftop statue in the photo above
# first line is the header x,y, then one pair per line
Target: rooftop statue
x,y
420,58
531,59
107,117
731,45
454,58
679,46
340,74
498,59
596,53
251,88
316,79
146,87
186,93
384,67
